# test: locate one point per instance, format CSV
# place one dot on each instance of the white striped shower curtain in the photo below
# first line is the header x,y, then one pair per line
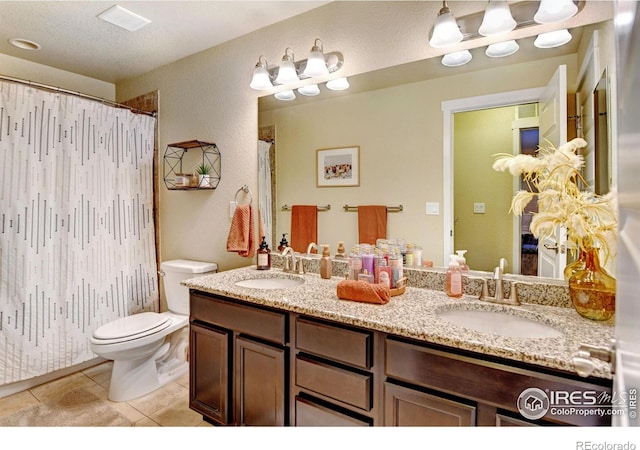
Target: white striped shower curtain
x,y
77,238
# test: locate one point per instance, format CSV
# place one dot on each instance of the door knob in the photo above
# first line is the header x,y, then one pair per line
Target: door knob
x,y
557,247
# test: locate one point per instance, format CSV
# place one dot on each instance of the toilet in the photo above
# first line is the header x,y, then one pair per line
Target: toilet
x,y
149,349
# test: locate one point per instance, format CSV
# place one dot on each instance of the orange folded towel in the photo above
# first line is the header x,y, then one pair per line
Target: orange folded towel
x,y
362,291
372,223
304,227
241,239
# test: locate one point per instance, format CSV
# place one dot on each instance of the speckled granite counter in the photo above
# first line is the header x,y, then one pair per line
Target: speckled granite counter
x,y
415,315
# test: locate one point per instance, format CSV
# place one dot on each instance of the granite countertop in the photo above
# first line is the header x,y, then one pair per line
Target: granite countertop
x,y
415,315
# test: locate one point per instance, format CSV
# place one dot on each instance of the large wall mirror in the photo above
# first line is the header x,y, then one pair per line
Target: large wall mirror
x,y
395,116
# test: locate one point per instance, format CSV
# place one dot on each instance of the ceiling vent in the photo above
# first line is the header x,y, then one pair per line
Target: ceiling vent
x,y
123,18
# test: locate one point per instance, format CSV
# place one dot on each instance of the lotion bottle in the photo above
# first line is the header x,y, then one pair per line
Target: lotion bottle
x,y
325,263
454,278
264,256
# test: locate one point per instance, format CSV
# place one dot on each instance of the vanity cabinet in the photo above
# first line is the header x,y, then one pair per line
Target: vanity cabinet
x,y
238,362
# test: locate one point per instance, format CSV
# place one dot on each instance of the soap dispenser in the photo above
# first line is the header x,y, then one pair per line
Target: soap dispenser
x,y
462,261
283,243
264,256
454,278
325,263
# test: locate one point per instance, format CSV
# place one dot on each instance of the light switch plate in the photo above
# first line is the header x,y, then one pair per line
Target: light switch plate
x,y
433,208
232,208
478,208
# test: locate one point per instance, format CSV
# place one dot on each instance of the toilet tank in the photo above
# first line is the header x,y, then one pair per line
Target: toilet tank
x,y
176,270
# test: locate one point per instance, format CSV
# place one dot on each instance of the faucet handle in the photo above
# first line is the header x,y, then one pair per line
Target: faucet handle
x,y
514,297
484,292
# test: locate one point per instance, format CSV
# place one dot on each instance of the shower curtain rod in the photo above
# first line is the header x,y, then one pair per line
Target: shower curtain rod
x,y
78,94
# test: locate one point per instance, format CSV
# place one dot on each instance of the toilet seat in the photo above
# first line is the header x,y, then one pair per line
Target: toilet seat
x,y
131,327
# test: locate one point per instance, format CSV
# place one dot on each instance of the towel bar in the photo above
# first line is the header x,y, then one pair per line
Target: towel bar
x,y
398,208
320,208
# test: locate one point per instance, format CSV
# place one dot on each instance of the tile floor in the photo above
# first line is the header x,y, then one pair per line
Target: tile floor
x,y
165,407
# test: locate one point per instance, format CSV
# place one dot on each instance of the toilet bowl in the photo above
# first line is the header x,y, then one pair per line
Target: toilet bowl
x,y
149,349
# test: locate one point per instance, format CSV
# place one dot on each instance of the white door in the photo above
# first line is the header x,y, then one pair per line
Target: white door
x,y
552,253
627,376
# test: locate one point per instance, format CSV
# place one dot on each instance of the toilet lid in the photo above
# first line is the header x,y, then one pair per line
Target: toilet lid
x,y
135,326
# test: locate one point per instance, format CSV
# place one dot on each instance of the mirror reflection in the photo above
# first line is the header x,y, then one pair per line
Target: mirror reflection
x,y
395,116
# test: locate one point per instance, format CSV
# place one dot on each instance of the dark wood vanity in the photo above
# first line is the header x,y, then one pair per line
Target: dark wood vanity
x,y
257,365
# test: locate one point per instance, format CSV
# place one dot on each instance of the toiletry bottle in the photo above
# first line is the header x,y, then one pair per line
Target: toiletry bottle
x,y
384,273
341,253
355,264
325,263
395,262
408,256
264,256
365,276
454,278
417,255
367,260
283,242
462,261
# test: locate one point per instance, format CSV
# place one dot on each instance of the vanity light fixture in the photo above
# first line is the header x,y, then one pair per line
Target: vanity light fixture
x,y
552,39
285,95
338,84
316,64
445,31
551,11
261,80
497,19
287,71
501,49
309,90
456,59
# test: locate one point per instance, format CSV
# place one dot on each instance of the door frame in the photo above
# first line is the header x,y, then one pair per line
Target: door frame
x,y
451,107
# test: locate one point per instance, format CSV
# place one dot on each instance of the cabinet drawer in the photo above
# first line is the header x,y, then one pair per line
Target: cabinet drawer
x,y
311,414
258,322
340,384
336,343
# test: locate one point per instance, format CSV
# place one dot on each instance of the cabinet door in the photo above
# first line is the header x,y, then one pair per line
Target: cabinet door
x,y
405,407
209,387
260,390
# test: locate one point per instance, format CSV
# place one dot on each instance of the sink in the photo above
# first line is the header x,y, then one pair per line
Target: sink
x,y
500,323
270,283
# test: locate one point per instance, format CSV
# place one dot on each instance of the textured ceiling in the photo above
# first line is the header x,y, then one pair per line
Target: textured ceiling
x,y
75,40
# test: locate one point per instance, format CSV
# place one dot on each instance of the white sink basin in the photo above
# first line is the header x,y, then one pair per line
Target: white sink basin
x,y
270,283
499,323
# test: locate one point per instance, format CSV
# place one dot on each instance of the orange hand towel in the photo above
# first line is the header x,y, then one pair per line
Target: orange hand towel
x,y
362,291
304,226
372,223
241,239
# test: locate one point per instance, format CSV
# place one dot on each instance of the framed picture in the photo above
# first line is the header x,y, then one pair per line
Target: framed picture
x,y
337,167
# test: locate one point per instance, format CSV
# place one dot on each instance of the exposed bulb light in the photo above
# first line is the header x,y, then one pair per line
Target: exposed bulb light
x,y
261,79
309,90
338,84
497,19
552,39
502,49
551,11
287,71
445,31
457,58
285,95
316,65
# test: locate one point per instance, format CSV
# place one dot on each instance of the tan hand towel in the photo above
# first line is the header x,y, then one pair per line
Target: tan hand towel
x,y
241,239
304,227
372,223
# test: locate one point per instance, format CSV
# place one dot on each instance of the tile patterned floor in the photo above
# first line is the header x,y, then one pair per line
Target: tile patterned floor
x,y
165,407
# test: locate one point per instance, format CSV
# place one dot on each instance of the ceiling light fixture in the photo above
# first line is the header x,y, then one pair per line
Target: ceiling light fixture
x,y
123,18
316,64
456,59
555,11
338,84
287,72
502,49
24,44
445,31
497,19
552,39
261,80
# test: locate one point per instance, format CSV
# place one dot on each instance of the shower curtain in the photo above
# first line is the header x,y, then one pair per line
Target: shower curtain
x,y
77,237
264,189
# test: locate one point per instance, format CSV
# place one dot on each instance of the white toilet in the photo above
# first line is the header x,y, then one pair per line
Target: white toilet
x,y
150,349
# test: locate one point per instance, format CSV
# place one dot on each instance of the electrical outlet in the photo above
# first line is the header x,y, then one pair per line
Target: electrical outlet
x,y
478,208
433,208
232,208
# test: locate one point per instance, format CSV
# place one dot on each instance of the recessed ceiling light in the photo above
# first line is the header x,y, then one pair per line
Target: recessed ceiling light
x,y
24,44
123,18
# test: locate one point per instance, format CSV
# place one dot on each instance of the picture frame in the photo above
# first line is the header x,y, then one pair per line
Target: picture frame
x,y
338,167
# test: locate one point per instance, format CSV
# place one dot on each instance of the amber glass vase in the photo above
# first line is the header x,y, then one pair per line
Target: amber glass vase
x,y
592,289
